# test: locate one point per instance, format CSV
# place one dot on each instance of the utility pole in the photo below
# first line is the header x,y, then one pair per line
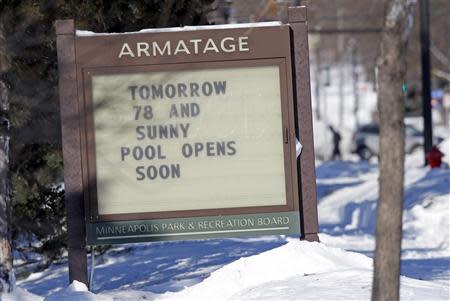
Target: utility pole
x,y
355,77
426,78
340,47
324,98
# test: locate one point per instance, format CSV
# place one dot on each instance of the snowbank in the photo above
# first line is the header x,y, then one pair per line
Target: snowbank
x,y
426,225
293,259
444,147
20,294
77,291
300,271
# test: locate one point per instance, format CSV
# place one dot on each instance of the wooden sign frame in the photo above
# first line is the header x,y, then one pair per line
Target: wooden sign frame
x,y
77,64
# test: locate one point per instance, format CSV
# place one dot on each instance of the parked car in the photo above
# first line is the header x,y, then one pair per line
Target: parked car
x,y
366,140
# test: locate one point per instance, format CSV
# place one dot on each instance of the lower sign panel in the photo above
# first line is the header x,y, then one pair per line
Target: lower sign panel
x,y
280,223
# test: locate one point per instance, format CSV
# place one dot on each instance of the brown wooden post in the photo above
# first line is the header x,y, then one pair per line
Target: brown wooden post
x,y
70,128
302,99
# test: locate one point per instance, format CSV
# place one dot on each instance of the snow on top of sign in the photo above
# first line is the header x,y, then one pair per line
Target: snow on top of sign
x,y
87,33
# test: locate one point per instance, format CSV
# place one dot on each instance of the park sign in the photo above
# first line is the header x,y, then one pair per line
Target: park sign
x,y
184,133
180,147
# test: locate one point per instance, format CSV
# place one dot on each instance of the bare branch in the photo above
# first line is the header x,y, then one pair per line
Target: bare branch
x,y
439,55
442,74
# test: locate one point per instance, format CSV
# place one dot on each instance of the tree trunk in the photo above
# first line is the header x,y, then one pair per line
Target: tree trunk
x,y
6,272
6,261
391,75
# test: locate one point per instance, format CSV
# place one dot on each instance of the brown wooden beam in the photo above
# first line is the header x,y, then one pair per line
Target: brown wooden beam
x,y
302,98
70,128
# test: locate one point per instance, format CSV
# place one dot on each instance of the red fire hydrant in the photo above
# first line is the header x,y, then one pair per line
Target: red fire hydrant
x,y
434,157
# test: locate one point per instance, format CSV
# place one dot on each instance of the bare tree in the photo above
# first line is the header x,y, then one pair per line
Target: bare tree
x,y
6,262
397,25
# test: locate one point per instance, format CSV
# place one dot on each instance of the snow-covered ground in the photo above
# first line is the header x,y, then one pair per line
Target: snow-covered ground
x,y
282,268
